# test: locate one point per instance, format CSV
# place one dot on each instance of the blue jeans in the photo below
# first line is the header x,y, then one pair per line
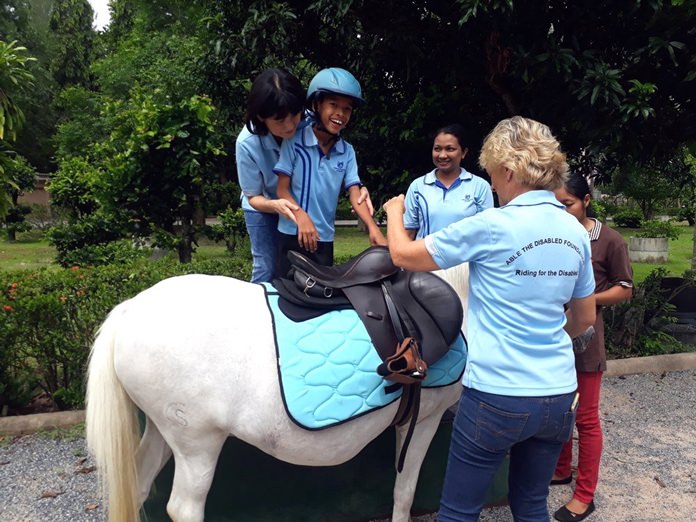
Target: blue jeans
x,y
263,235
486,428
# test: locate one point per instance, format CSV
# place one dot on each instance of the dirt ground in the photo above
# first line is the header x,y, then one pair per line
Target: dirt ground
x,y
648,469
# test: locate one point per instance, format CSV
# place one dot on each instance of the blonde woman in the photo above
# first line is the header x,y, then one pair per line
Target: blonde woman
x,y
527,259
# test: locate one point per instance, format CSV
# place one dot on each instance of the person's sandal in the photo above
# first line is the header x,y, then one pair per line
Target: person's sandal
x,y
558,482
566,515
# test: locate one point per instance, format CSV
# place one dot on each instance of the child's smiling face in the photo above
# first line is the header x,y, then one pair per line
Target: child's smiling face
x,y
334,111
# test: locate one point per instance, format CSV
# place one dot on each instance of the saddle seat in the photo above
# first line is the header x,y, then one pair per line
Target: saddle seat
x,y
370,266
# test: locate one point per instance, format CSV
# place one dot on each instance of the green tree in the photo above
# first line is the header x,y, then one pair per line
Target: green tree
x,y
157,161
14,77
73,35
23,177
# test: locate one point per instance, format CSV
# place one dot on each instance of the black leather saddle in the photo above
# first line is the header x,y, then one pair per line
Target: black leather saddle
x,y
393,304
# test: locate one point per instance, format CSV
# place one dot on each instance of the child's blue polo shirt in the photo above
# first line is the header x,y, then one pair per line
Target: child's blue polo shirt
x,y
317,179
256,156
526,260
430,206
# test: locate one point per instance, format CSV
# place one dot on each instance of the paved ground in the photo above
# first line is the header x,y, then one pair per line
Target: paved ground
x,y
648,469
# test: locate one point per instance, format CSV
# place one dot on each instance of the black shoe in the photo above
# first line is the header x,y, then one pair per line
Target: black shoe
x,y
566,515
558,482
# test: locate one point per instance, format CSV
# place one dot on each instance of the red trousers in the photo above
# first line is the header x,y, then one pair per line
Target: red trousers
x,y
589,439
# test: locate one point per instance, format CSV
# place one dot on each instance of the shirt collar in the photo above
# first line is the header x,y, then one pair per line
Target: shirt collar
x,y
269,142
535,197
431,178
596,229
309,139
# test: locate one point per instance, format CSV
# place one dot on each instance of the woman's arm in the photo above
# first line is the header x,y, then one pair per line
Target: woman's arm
x,y
279,206
307,234
581,314
406,253
614,295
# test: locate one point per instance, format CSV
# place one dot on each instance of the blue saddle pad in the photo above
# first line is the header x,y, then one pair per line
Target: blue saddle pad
x,y
327,367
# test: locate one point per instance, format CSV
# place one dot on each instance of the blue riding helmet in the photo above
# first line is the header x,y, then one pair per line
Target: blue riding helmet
x,y
337,81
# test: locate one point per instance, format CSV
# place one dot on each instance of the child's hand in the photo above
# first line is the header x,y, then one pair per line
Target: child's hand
x,y
285,208
307,235
377,238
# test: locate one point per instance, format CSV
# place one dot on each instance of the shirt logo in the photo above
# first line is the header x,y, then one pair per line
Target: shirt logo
x,y
340,166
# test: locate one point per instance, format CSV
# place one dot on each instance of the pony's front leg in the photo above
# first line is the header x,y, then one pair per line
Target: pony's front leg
x,y
195,461
406,481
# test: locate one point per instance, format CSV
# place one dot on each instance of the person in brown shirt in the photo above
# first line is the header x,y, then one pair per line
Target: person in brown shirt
x,y
613,284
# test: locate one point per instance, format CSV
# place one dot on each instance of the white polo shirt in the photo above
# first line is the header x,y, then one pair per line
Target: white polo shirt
x,y
527,259
430,206
317,179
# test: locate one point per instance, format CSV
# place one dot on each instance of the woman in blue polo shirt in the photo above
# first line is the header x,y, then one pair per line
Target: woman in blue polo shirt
x,y
448,193
527,260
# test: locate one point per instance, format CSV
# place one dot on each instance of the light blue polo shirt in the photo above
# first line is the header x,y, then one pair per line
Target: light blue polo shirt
x,y
317,179
526,260
256,156
430,206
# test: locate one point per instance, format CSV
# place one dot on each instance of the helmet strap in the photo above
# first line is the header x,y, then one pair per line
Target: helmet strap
x,y
333,138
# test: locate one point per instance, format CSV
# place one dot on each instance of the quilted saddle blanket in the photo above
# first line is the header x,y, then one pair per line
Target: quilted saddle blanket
x,y
327,367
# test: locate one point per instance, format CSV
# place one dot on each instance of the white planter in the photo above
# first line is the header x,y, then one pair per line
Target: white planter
x,y
648,249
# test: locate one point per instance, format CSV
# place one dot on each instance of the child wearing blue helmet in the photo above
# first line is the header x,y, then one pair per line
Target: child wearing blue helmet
x,y
313,168
274,112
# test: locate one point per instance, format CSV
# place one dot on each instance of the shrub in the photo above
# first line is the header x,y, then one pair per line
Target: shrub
x,y
231,229
599,209
635,328
628,217
656,228
49,318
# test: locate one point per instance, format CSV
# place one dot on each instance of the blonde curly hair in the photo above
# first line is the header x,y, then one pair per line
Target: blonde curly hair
x,y
527,148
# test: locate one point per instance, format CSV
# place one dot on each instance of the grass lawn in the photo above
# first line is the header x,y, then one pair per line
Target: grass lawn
x,y
31,252
28,252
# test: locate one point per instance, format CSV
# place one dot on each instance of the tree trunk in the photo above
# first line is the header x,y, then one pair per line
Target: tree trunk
x,y
11,234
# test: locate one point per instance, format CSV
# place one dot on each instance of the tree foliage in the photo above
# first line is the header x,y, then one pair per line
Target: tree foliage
x,y
614,81
71,27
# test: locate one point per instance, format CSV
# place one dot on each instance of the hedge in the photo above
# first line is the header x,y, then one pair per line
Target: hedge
x,y
48,319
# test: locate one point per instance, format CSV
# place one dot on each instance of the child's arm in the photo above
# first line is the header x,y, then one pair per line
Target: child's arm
x,y
376,236
307,235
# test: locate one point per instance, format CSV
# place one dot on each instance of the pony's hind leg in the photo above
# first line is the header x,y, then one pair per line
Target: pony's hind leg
x,y
195,459
153,453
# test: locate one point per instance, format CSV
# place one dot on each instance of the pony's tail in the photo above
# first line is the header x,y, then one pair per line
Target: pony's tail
x,y
112,426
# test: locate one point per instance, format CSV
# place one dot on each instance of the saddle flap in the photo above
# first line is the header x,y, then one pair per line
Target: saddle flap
x,y
434,308
371,265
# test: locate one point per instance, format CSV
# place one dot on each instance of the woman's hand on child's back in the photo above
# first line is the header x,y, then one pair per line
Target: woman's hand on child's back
x,y
285,208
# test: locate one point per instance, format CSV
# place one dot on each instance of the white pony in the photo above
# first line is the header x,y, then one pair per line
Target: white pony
x,y
197,355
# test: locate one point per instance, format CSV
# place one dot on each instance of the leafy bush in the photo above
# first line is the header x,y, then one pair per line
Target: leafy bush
x,y
656,228
231,229
49,318
85,242
628,217
635,328
599,209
